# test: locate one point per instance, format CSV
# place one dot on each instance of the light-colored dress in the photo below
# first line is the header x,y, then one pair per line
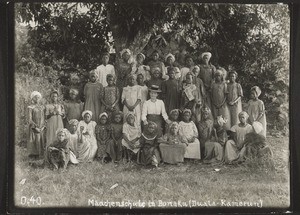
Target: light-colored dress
x,y
183,72
102,71
37,142
189,130
73,110
144,94
231,148
206,74
131,94
218,94
55,122
123,70
234,90
88,148
255,108
131,132
92,93
73,145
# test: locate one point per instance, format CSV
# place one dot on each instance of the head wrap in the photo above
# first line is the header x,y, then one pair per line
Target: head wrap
x,y
53,92
87,112
232,72
103,114
172,57
105,54
35,93
206,109
124,51
244,113
174,111
187,111
74,91
62,130
174,124
219,71
73,122
141,54
257,90
206,53
129,114
93,72
197,68
155,68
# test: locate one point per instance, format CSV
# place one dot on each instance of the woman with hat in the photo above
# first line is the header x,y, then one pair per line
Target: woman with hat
x,y
154,109
123,68
256,109
207,71
87,138
140,68
37,124
55,113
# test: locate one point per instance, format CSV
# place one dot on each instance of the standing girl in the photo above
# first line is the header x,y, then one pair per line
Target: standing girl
x,y
218,98
131,98
54,114
143,88
256,109
117,134
234,94
92,93
140,68
36,144
73,106
155,62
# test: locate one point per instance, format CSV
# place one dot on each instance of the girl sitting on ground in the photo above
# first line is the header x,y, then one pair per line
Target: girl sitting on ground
x,y
173,146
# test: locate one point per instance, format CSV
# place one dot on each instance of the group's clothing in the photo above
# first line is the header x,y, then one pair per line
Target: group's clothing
x,y
206,74
131,94
234,90
123,69
92,93
73,110
110,95
144,94
149,153
131,132
102,71
104,140
171,94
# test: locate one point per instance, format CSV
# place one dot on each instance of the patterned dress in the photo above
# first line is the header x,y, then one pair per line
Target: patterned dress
x,y
92,93
234,90
104,140
123,69
110,95
37,142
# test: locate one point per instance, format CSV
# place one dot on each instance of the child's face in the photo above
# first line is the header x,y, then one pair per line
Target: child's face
x,y
174,115
126,56
54,97
232,77
186,117
75,80
253,95
118,118
131,81
156,73
169,60
242,119
189,62
189,79
73,128
205,58
93,78
139,59
110,81
171,74
155,56
218,77
73,95
130,120
205,115
36,99
153,95
61,136
140,79
87,118
103,120
174,130
196,72
151,128
105,59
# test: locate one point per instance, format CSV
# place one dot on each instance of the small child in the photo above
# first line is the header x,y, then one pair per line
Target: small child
x,y
73,106
117,135
188,130
140,68
143,89
131,98
103,136
105,69
171,90
172,145
92,95
234,95
218,98
110,97
256,109
131,136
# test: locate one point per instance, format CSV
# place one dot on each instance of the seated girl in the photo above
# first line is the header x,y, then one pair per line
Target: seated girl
x,y
188,130
149,153
214,147
174,117
131,136
104,140
234,149
172,146
87,138
58,152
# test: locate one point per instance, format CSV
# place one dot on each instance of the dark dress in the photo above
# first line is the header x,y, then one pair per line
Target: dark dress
x,y
171,90
117,134
58,153
104,141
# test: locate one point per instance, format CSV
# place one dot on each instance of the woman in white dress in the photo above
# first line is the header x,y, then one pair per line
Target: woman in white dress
x,y
188,130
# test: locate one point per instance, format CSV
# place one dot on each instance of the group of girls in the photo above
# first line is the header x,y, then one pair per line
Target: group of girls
x,y
169,113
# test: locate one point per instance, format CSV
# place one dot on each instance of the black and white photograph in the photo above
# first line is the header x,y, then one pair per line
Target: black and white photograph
x,y
151,105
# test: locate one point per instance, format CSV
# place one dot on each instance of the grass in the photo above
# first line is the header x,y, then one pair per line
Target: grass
x,y
188,181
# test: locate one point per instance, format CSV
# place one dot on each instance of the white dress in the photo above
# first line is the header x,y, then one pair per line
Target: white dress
x,y
189,130
131,94
144,94
131,132
102,71
88,148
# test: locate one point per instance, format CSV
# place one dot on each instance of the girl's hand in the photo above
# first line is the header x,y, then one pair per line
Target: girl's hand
x,y
145,122
168,121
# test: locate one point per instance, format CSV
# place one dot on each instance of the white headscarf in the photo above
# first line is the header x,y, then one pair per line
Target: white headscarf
x,y
35,93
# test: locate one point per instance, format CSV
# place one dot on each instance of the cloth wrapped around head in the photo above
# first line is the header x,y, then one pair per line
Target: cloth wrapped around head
x,y
103,114
124,51
174,111
73,122
196,68
244,113
35,93
206,53
187,111
257,90
142,55
75,91
87,112
62,130
171,56
93,72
